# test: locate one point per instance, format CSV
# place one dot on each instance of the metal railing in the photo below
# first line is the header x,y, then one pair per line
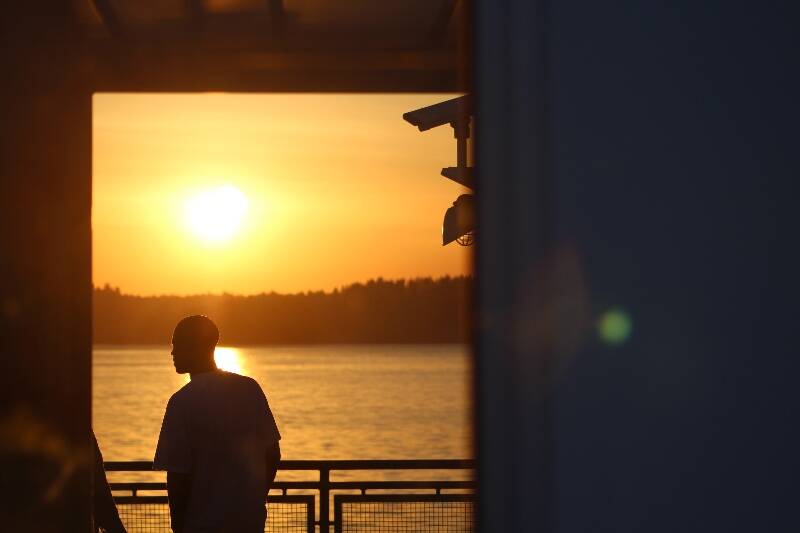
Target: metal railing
x,y
444,505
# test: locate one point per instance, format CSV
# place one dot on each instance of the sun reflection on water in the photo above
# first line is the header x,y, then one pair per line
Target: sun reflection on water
x,y
229,359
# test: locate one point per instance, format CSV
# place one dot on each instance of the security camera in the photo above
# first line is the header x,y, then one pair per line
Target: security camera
x,y
457,110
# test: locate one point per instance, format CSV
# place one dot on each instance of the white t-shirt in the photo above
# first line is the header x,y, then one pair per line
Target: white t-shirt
x,y
218,428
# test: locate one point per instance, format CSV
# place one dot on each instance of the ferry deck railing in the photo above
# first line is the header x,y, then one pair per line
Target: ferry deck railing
x,y
397,505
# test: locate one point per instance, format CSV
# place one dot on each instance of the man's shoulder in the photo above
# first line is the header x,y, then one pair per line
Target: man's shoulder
x,y
213,384
180,395
232,377
243,381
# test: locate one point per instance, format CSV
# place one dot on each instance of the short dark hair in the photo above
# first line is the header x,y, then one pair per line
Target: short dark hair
x,y
200,329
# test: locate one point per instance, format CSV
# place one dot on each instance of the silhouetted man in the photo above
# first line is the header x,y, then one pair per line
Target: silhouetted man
x,y
218,442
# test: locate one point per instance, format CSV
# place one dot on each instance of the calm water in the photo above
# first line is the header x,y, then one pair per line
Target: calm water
x,y
330,402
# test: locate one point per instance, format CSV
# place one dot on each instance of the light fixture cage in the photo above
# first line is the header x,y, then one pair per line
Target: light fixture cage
x,y
468,239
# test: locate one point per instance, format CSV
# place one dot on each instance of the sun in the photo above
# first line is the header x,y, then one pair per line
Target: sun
x,y
216,215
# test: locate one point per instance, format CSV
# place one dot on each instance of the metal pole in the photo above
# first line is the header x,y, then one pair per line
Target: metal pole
x,y
461,133
324,499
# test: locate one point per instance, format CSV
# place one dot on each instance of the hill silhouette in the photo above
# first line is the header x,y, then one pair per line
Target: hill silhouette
x,y
420,310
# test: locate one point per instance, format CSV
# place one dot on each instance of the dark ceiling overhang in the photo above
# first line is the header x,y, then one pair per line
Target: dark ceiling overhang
x,y
275,45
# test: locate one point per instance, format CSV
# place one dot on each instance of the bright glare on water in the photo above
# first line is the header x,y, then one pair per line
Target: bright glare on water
x,y
230,360
330,402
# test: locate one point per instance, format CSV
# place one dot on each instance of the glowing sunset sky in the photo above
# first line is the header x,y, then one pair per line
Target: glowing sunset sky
x,y
325,190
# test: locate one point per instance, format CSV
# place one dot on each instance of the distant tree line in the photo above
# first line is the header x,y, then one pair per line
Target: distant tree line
x,y
421,310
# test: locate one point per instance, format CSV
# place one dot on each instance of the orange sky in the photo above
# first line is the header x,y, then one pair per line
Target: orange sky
x,y
339,189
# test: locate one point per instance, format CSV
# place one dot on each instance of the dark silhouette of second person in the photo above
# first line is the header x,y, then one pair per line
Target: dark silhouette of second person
x,y
218,442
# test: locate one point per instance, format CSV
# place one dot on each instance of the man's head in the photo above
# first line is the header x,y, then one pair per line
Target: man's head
x,y
193,343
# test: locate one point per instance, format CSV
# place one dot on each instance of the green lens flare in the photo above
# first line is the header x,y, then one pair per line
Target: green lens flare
x,y
615,326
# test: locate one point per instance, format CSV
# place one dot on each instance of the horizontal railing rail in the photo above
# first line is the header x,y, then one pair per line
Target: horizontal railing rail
x,y
323,486
329,464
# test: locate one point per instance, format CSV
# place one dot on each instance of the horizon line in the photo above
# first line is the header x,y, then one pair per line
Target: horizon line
x,y
109,287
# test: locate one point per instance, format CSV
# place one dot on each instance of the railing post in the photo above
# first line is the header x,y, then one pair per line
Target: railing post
x,y
337,515
324,499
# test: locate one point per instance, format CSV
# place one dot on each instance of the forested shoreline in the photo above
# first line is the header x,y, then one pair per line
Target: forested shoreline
x,y
420,310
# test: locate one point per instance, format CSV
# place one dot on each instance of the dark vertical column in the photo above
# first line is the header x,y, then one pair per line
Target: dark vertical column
x,y
45,272
515,345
